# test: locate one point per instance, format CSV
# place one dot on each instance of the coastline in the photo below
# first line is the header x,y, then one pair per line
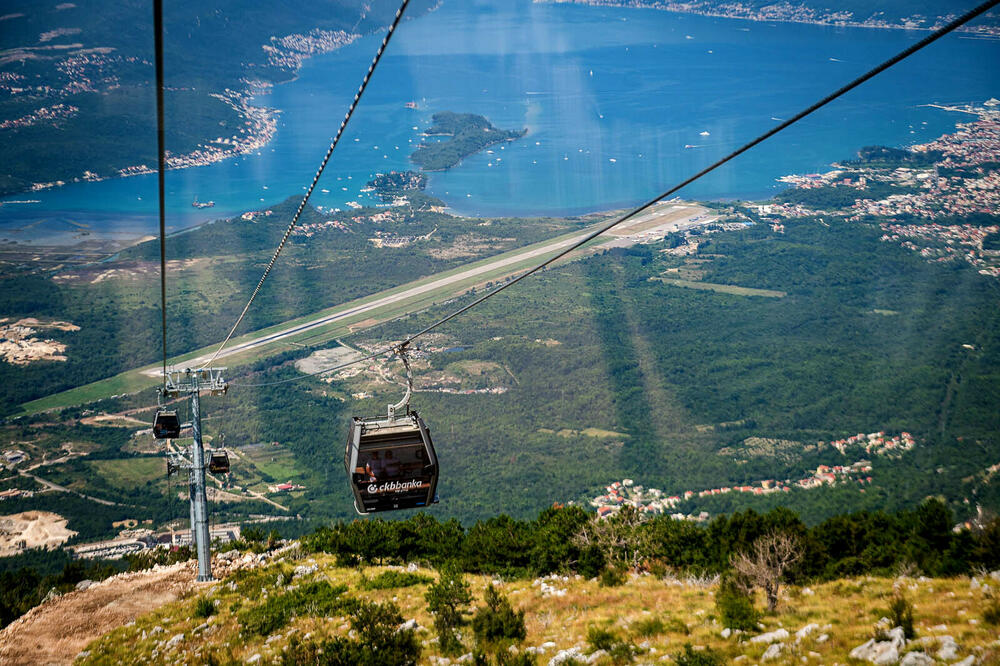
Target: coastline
x,y
778,14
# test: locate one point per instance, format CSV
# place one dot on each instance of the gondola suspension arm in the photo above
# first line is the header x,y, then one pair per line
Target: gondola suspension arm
x,y
400,351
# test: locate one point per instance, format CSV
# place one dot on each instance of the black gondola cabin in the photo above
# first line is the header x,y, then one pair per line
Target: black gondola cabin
x,y
166,425
391,463
218,462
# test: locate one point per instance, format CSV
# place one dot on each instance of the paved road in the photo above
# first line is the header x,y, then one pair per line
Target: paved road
x,y
697,218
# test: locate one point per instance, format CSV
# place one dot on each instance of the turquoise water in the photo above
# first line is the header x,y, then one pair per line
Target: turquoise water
x,y
611,97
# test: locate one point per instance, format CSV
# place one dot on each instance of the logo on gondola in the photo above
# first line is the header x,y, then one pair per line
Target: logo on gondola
x,y
394,486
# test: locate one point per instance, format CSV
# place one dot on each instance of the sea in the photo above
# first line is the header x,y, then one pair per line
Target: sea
x,y
619,104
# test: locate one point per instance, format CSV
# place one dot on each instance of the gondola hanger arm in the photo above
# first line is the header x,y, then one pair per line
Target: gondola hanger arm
x,y
405,402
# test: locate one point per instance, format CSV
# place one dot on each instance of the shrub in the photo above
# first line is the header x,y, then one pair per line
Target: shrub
x,y
204,607
505,658
651,626
677,626
991,609
600,638
620,651
497,622
380,642
692,657
901,614
591,562
446,600
612,577
317,598
735,606
391,579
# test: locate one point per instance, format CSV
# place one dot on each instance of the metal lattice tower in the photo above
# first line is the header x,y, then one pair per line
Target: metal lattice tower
x,y
192,383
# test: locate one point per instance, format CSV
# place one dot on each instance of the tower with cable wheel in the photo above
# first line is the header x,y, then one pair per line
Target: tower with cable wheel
x,y
192,383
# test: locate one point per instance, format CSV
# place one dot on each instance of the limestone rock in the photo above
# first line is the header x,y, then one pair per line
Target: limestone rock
x,y
773,651
771,636
916,659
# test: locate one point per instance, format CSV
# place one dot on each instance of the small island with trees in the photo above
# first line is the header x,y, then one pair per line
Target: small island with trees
x,y
394,184
469,134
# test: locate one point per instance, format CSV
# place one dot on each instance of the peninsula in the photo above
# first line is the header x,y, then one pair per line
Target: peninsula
x,y
468,134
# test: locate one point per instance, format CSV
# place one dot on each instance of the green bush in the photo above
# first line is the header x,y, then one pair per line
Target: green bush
x,y
446,601
692,657
317,599
677,626
204,607
591,562
600,638
380,642
735,606
497,623
612,577
991,609
901,614
505,658
651,626
388,580
619,650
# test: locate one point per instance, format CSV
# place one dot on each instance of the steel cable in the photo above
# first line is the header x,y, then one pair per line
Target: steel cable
x,y
878,69
319,172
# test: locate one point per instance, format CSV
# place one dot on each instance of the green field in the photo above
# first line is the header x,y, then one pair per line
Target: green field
x,y
722,288
130,472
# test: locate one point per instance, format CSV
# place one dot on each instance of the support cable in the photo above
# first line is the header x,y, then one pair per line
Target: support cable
x,y
161,168
878,69
315,180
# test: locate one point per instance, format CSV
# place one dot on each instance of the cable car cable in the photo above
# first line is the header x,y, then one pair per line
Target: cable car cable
x,y
878,69
319,172
161,167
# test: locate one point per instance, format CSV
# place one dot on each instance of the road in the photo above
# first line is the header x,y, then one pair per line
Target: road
x,y
63,489
641,228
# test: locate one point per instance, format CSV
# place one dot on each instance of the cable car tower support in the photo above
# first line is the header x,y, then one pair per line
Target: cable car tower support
x,y
192,383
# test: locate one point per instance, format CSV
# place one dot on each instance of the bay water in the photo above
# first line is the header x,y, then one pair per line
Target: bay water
x,y
619,105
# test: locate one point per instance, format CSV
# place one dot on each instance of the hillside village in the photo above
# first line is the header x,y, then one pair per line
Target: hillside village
x,y
960,179
654,501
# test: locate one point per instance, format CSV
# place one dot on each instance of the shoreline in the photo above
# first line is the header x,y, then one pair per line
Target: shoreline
x,y
747,14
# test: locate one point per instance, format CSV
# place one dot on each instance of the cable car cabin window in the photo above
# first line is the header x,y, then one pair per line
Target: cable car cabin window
x,y
166,425
394,466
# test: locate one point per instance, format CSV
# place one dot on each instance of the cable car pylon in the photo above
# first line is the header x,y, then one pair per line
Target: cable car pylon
x,y
192,383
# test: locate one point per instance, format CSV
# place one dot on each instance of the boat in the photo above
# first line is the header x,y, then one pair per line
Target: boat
x,y
411,105
202,204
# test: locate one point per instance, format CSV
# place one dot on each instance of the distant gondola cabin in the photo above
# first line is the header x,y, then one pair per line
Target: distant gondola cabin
x,y
391,464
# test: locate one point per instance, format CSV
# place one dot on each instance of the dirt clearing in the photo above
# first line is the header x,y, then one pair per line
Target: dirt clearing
x,y
32,529
56,631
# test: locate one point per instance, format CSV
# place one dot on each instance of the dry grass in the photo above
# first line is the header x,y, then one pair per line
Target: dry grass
x,y
846,612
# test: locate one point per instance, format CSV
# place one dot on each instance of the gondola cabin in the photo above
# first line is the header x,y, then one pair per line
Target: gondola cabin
x,y
218,462
391,463
166,425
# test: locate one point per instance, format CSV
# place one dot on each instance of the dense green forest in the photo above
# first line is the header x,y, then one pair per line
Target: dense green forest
x,y
468,134
672,381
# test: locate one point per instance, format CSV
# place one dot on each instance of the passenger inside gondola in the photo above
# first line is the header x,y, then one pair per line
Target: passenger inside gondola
x,y
375,467
392,468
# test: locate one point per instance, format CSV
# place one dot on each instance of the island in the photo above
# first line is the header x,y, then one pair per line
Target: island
x,y
469,134
389,186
